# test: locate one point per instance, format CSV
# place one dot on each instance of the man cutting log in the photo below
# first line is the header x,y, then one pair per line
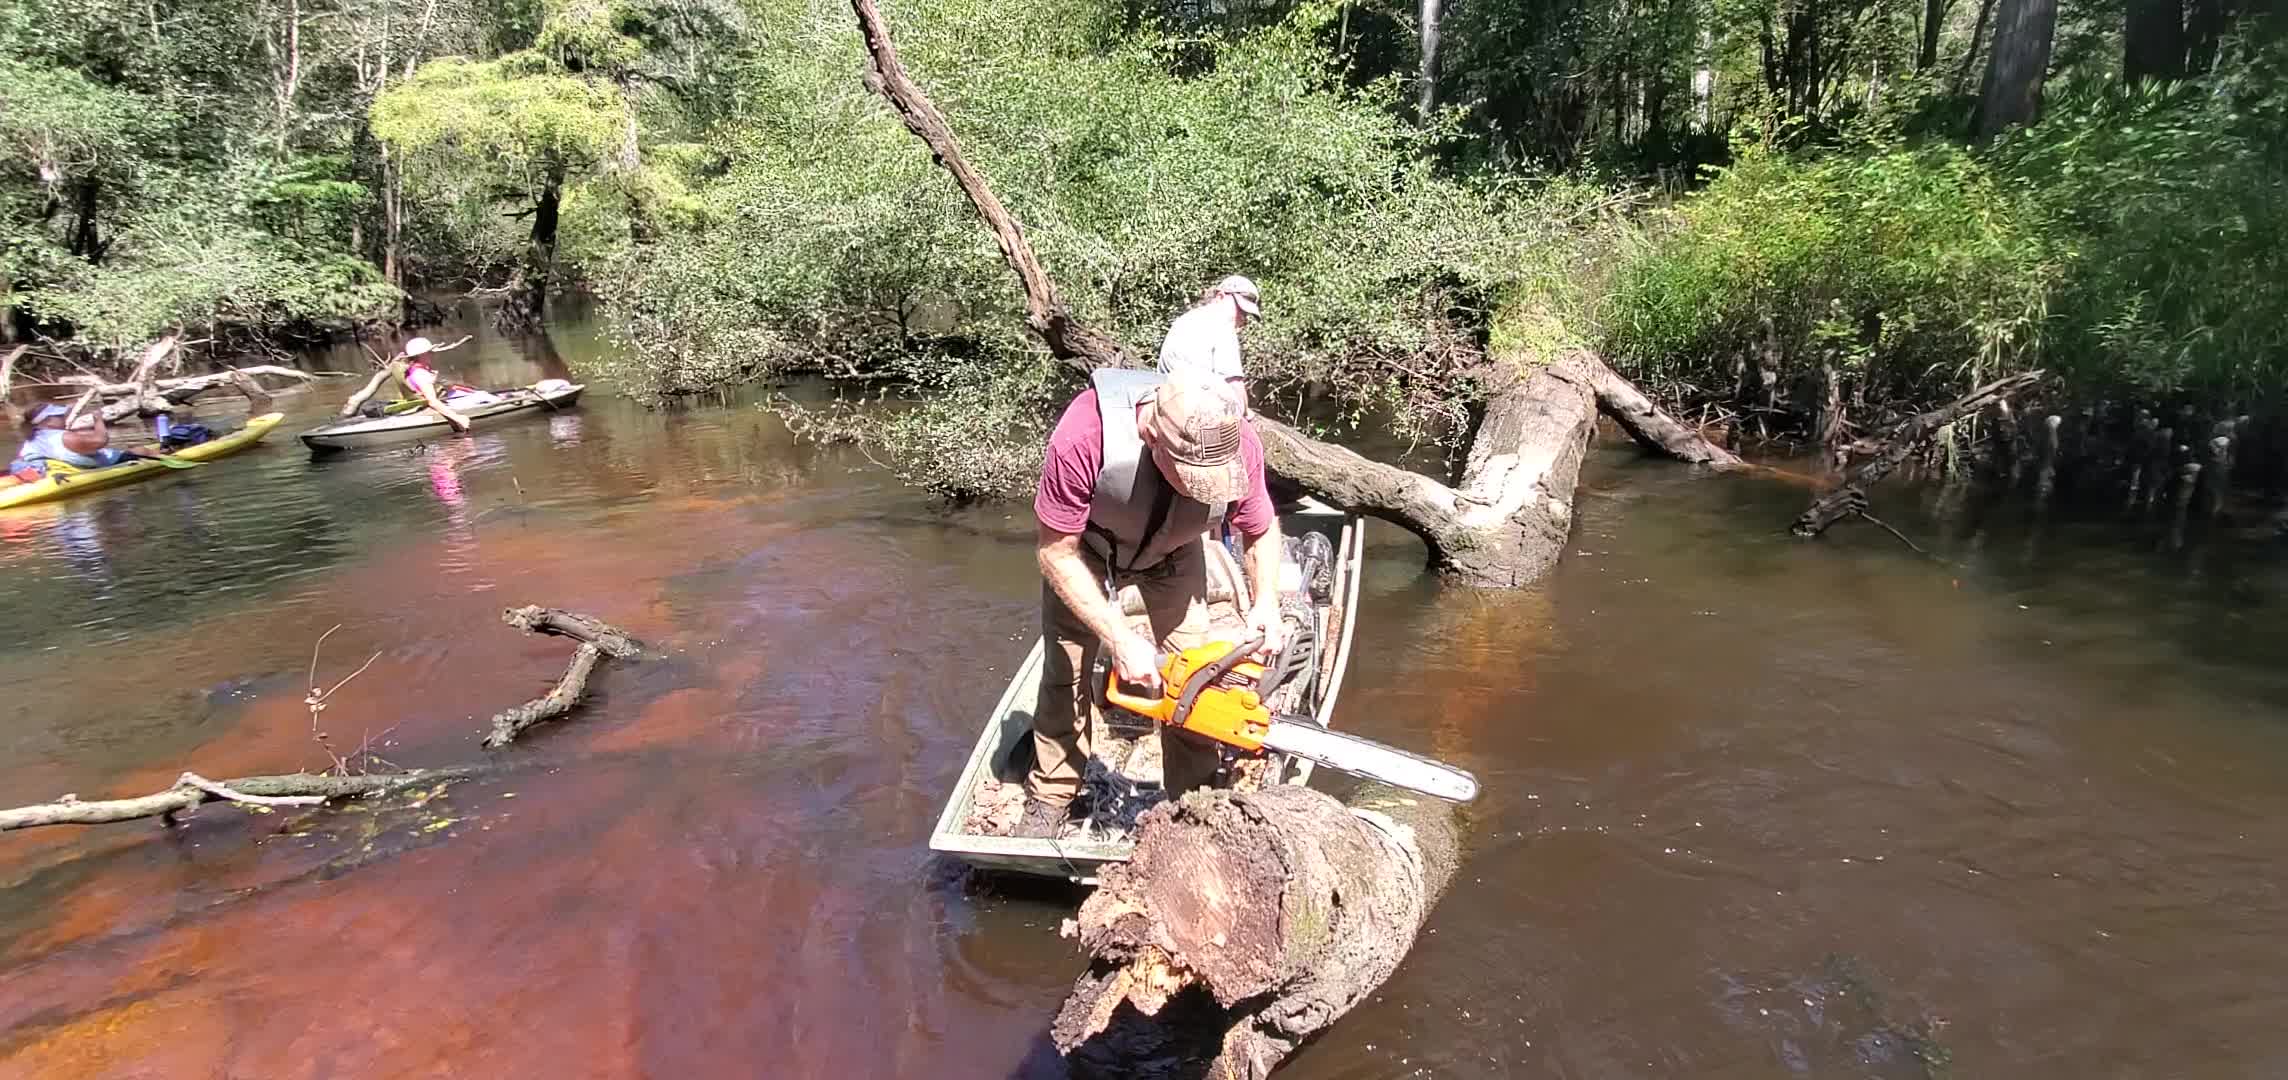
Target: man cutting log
x,y
1138,468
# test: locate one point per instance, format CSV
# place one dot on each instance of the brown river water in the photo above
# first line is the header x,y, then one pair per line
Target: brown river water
x,y
1754,807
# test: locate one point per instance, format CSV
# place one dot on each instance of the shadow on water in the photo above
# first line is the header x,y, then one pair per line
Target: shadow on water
x,y
1753,806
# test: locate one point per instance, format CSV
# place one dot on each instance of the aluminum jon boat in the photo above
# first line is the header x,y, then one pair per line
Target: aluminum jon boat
x,y
985,802
358,432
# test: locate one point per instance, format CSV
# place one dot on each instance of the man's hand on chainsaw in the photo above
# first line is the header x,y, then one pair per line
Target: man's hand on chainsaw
x,y
1137,661
1267,621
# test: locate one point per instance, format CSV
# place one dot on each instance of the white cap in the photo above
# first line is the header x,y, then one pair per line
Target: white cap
x,y
48,412
417,346
1243,291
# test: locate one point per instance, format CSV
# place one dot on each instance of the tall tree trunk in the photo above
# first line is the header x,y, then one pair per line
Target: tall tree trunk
x,y
2206,24
1934,18
542,266
87,238
2153,41
1704,81
1427,92
2012,94
1977,37
392,222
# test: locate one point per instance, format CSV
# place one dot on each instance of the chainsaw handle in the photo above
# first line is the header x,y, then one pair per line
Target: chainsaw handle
x,y
1153,706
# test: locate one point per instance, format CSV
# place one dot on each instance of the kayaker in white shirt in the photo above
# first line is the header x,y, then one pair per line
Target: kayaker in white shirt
x,y
1206,338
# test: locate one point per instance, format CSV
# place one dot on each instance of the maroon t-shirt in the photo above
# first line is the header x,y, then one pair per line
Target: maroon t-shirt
x,y
1076,455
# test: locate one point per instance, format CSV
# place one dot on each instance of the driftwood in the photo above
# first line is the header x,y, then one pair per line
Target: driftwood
x,y
184,387
1504,527
1244,924
291,789
139,396
558,701
597,640
1896,447
614,641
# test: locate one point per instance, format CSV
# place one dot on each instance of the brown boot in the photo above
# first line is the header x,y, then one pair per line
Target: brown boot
x,y
1042,820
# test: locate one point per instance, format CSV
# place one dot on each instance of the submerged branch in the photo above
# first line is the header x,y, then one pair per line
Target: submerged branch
x,y
191,790
597,638
1896,447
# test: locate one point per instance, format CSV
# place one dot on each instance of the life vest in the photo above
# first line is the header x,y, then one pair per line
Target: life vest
x,y
1136,518
444,389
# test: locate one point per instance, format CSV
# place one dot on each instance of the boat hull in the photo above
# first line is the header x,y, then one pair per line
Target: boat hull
x,y
359,432
81,482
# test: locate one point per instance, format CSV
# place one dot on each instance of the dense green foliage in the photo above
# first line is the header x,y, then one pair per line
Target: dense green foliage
x,y
2132,243
830,236
1711,193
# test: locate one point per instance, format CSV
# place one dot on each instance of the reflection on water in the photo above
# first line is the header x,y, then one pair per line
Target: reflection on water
x,y
1753,808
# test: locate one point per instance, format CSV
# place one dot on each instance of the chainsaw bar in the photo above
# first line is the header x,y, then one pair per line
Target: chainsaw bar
x,y
1370,759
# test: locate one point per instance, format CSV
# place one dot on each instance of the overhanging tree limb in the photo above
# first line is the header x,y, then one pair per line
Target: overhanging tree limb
x,y
1503,527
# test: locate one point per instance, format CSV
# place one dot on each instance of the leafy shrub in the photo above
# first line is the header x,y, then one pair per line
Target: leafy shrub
x,y
832,231
1915,271
2169,210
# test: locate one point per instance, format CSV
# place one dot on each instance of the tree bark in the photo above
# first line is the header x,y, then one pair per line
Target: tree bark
x,y
2013,91
1313,905
1426,91
2153,41
541,267
1505,526
1507,523
2206,23
1934,19
1977,36
1851,497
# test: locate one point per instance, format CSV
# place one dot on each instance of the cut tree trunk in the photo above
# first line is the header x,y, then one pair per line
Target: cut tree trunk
x,y
1245,923
1896,448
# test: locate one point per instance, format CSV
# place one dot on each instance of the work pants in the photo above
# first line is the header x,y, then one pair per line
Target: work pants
x,y
1175,599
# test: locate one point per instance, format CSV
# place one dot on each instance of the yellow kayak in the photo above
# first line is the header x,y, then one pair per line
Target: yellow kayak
x,y
63,482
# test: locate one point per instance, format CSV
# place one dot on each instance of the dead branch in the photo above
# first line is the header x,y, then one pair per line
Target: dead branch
x,y
613,641
190,790
1897,447
597,639
558,701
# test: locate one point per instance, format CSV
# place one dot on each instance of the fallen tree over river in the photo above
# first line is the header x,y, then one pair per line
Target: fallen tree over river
x,y
1503,527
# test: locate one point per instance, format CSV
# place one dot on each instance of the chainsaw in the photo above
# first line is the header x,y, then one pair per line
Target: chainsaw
x,y
1217,691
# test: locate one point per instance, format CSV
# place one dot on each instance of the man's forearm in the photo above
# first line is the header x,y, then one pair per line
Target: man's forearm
x,y
1067,573
1264,554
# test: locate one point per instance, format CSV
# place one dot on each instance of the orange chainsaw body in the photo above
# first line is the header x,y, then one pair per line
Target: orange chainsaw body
x,y
1230,714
